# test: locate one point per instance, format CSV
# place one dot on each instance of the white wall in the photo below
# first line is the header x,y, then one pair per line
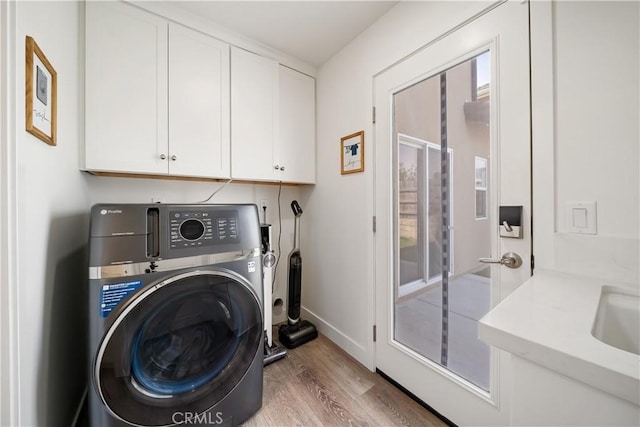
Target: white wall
x,y
51,229
52,204
587,143
338,285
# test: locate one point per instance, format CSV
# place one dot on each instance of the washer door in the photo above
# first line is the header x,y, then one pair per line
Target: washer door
x,y
179,346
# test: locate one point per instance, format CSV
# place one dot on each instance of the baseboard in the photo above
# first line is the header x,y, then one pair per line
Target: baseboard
x,y
354,349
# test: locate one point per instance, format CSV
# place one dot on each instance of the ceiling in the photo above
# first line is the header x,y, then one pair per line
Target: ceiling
x,y
312,31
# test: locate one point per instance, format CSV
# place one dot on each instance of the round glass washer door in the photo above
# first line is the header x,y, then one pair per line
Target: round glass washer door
x,y
181,344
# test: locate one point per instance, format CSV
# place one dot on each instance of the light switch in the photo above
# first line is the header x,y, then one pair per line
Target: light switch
x,y
581,217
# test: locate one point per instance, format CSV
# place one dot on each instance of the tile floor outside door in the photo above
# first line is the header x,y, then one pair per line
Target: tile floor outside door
x,y
419,320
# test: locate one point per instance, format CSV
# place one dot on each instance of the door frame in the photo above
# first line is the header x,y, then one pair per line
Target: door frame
x,y
543,181
9,343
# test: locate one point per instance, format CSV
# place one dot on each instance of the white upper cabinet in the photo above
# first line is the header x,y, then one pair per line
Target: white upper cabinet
x,y
198,104
296,148
254,115
126,89
272,121
157,95
164,99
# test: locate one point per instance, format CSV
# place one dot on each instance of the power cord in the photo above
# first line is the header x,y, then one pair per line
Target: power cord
x,y
215,192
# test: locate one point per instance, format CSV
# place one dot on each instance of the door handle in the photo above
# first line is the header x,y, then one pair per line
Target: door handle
x,y
510,259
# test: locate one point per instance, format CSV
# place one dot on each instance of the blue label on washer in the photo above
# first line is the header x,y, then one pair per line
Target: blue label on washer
x,y
111,295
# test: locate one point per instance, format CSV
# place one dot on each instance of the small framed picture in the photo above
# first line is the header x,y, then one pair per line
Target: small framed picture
x,y
41,94
352,153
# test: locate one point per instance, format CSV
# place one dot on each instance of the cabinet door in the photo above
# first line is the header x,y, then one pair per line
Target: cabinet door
x,y
126,89
254,115
198,104
296,147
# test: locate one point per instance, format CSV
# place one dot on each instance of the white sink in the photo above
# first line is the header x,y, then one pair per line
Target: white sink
x,y
617,321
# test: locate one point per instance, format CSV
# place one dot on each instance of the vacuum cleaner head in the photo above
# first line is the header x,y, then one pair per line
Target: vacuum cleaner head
x,y
272,352
293,335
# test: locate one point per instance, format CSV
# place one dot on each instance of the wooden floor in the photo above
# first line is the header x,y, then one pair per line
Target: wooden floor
x,y
318,384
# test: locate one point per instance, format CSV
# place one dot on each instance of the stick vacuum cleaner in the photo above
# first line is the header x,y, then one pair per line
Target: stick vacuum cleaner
x,y
297,331
272,350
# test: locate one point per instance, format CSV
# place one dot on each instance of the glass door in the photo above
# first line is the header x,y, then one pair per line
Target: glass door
x,y
452,145
441,282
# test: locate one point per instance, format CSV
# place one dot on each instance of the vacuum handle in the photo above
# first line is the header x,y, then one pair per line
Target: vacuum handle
x,y
297,210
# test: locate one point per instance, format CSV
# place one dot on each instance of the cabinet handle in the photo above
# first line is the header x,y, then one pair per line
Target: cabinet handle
x,y
163,157
282,168
277,167
174,158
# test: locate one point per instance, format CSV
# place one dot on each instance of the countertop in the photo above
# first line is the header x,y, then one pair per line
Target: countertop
x,y
548,321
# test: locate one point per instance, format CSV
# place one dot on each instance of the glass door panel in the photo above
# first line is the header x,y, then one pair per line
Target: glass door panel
x,y
442,161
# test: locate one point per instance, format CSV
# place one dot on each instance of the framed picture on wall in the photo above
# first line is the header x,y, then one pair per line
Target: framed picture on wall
x,y
41,94
352,153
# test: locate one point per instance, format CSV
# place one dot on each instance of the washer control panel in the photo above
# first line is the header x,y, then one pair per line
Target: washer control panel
x,y
196,228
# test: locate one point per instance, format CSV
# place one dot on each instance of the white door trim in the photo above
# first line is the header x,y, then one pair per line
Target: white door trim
x,y
9,353
543,133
